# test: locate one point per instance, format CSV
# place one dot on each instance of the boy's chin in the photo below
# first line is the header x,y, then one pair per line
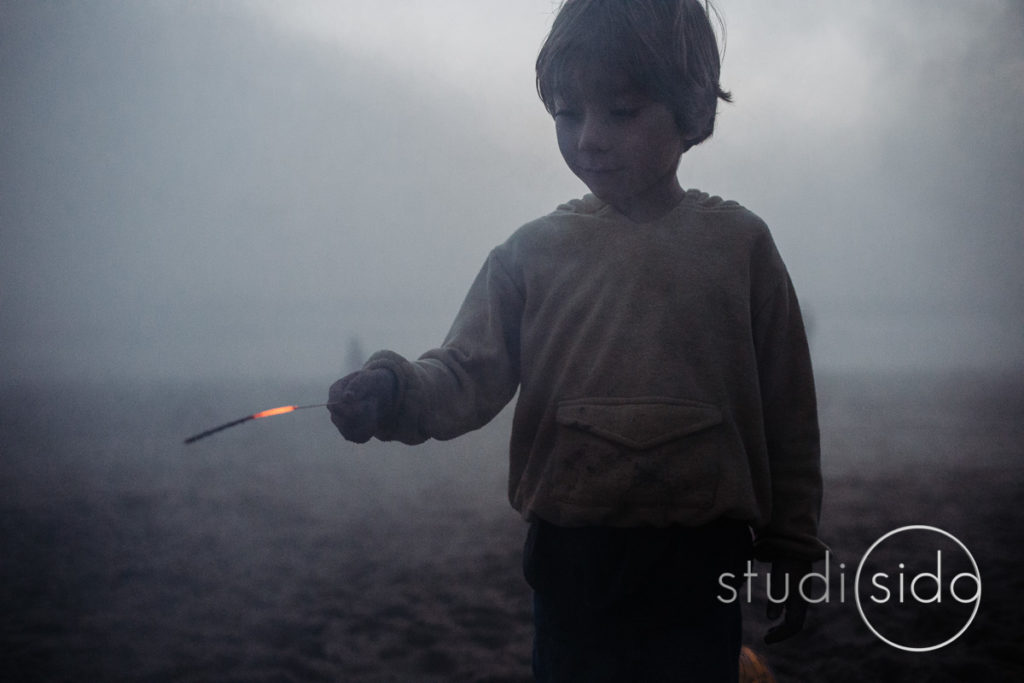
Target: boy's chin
x,y
603,194
613,199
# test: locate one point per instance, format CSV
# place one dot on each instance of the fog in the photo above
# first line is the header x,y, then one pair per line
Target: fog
x,y
217,189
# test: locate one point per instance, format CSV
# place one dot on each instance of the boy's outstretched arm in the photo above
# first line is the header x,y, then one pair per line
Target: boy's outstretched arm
x,y
361,401
449,390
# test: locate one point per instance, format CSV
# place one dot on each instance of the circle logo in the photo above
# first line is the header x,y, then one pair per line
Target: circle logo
x,y
916,596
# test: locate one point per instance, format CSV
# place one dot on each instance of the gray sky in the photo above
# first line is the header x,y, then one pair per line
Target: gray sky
x,y
204,189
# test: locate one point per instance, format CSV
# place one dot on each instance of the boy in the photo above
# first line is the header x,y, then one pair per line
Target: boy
x,y
666,402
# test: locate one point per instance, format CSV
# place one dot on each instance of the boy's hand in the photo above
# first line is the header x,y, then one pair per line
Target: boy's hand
x,y
794,607
360,402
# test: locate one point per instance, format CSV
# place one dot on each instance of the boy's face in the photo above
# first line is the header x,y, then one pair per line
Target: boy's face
x,y
622,144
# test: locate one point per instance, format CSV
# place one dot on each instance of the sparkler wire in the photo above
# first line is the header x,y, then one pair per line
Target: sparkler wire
x,y
255,416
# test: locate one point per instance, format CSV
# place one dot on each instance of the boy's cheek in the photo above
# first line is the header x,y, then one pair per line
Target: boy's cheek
x,y
566,144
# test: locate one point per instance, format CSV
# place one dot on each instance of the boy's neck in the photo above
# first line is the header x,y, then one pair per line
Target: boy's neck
x,y
652,206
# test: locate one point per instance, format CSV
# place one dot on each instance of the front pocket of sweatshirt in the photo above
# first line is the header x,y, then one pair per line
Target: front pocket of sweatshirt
x,y
637,452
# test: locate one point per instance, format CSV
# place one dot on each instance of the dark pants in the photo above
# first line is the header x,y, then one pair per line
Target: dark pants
x,y
635,604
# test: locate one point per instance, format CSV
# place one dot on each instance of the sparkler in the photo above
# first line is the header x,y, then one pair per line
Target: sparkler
x,y
255,416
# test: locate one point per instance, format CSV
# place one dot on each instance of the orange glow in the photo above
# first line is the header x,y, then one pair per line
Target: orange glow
x,y
274,411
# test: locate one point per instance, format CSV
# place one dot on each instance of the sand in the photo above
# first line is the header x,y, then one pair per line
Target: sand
x,y
277,552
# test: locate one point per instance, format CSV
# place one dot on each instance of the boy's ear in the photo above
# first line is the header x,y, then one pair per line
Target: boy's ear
x,y
686,131
690,138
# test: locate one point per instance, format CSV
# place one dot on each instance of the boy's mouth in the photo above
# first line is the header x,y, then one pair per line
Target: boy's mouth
x,y
598,171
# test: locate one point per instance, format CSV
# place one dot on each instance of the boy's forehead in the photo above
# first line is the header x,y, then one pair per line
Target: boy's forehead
x,y
593,81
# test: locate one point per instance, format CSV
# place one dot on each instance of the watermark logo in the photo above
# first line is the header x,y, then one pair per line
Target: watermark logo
x,y
917,588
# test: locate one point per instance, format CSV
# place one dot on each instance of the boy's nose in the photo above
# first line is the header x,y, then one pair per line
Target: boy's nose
x,y
593,135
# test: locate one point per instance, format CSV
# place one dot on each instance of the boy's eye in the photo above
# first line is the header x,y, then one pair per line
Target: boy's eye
x,y
566,113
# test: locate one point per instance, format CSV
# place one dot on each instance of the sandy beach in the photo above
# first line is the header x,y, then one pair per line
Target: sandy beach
x,y
277,552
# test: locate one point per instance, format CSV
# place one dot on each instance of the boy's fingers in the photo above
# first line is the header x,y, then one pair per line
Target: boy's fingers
x,y
337,391
796,614
794,607
356,401
357,424
779,633
349,388
363,385
356,420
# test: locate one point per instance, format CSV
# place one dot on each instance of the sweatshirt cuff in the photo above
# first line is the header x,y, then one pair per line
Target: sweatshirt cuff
x,y
769,548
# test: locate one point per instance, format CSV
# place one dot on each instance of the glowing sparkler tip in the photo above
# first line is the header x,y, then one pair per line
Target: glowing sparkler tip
x,y
274,411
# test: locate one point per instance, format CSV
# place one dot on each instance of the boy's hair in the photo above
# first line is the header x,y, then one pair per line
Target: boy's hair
x,y
666,47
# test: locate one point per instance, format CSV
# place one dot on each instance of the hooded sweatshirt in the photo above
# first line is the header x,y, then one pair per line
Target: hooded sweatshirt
x,y
662,369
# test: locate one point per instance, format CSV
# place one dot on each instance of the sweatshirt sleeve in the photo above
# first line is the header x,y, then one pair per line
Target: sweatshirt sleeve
x,y
791,429
464,383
